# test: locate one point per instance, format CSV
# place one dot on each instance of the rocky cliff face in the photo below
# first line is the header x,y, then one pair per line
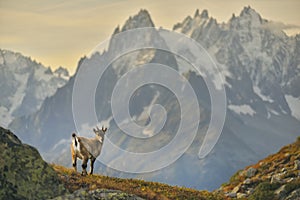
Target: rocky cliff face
x,y
25,84
275,177
258,62
23,173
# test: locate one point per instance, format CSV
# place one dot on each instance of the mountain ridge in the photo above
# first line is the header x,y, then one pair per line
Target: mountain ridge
x,y
260,74
25,84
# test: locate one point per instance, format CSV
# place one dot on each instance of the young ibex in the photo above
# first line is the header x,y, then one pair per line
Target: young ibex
x,y
87,148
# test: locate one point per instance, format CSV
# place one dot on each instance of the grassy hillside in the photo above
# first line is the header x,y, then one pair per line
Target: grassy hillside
x,y
147,190
275,177
24,175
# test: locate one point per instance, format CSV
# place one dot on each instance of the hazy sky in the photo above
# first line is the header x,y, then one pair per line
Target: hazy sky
x,y
57,32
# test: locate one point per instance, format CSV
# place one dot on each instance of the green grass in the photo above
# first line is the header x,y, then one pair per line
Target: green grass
x,y
264,191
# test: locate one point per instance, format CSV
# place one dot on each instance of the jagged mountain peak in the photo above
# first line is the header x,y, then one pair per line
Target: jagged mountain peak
x,y
247,10
62,72
249,15
24,84
140,20
189,24
117,30
144,12
196,13
204,14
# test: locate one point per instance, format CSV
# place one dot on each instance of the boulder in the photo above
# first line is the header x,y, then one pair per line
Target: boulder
x,y
251,172
276,178
248,181
295,195
250,190
231,195
23,173
281,192
236,189
241,195
297,165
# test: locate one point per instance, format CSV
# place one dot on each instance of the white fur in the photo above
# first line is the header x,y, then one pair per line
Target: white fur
x,y
92,145
87,148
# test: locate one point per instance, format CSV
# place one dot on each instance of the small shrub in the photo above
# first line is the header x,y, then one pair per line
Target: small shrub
x,y
290,175
264,191
235,178
289,187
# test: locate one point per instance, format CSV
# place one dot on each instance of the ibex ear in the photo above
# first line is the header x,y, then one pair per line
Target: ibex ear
x,y
104,129
94,130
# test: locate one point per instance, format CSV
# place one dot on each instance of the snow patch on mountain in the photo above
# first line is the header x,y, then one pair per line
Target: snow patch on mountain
x,y
242,109
5,115
261,95
294,104
24,85
17,98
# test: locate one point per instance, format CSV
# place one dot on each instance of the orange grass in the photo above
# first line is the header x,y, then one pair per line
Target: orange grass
x,y
148,190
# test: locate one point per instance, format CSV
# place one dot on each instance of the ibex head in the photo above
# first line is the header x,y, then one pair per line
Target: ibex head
x,y
100,133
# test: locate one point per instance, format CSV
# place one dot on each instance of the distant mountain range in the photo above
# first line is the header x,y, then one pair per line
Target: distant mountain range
x,y
262,73
25,84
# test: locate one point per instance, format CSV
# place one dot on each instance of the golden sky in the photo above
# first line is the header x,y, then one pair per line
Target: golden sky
x,y
57,33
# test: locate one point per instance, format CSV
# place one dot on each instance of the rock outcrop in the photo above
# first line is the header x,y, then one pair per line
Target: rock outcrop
x,y
99,194
23,173
275,177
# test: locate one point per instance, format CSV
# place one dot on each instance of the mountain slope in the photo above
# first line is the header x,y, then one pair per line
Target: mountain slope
x,y
27,176
258,111
275,177
24,175
24,85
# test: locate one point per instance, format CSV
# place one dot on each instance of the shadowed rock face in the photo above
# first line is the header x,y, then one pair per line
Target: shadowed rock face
x,y
23,173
